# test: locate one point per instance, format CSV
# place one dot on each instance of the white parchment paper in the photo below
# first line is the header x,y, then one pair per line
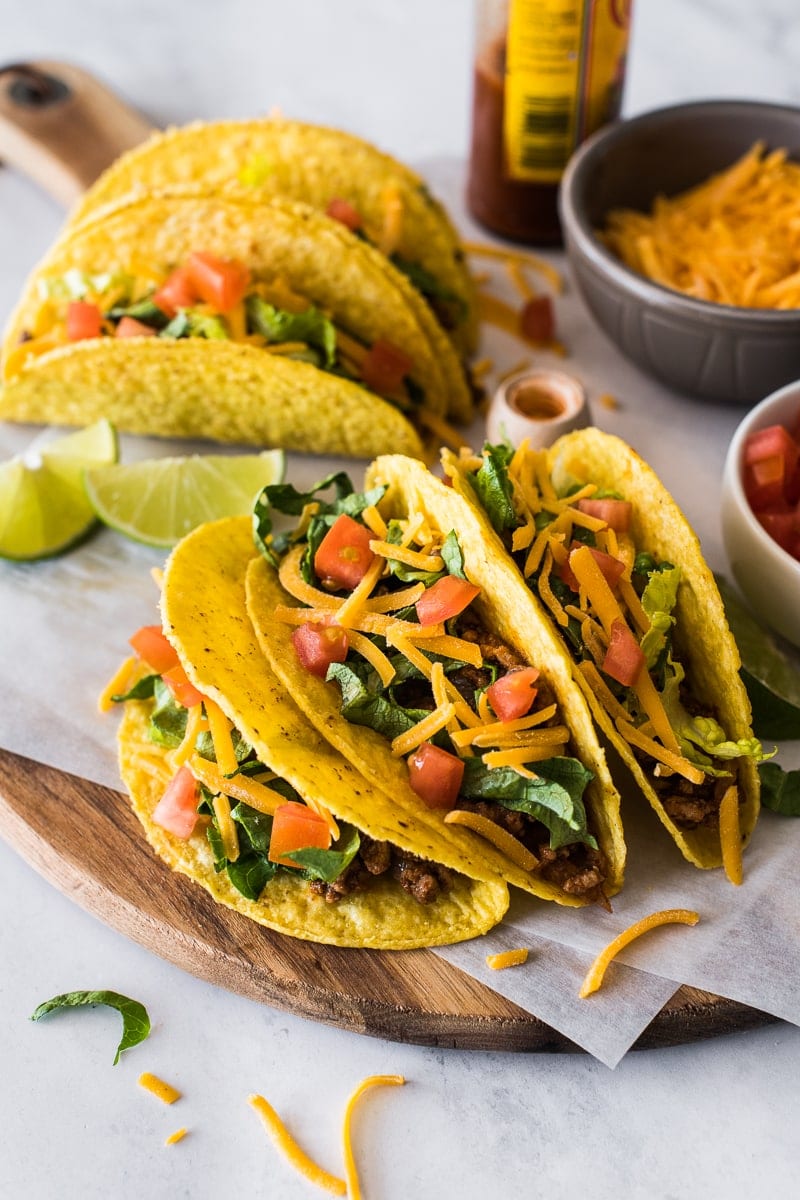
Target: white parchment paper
x,y
64,626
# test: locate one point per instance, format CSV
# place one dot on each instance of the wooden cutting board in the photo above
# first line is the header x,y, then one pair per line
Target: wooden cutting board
x,y
405,996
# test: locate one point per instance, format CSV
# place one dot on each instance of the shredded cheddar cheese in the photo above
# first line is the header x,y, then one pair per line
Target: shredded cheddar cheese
x,y
351,1174
257,795
164,1091
730,835
675,761
220,728
551,273
227,827
667,916
295,1155
177,1136
504,841
195,722
734,239
424,730
120,682
508,958
411,558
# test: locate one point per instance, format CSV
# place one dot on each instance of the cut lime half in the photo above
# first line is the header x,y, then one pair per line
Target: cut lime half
x,y
161,500
43,504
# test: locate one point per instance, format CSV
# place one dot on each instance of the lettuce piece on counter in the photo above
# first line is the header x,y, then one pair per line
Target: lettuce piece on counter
x,y
135,1021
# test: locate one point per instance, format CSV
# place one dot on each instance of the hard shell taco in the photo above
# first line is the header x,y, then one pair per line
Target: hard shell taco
x,y
614,568
186,315
372,193
408,646
235,788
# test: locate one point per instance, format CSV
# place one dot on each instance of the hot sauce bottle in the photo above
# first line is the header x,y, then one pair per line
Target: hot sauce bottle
x,y
547,74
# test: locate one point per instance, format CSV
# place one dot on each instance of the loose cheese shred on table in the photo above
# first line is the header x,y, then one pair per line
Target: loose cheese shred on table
x,y
730,835
667,916
177,1136
164,1091
734,239
296,1156
351,1174
504,841
502,254
508,958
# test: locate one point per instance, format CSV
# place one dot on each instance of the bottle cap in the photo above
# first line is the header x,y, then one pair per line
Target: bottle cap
x,y
539,405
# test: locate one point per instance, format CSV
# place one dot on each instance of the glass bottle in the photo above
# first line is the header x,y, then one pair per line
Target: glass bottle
x,y
547,74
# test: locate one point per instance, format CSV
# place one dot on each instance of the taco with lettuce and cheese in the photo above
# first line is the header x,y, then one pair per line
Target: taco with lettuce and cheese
x,y
373,194
614,568
409,647
186,315
236,789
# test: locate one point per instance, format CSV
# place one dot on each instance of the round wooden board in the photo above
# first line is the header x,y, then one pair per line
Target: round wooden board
x,y
405,996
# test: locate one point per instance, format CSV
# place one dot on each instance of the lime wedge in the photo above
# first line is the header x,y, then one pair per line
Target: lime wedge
x,y
43,504
161,500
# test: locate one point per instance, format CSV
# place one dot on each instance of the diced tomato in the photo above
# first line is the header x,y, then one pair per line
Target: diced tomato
x,y
296,827
182,690
624,659
151,645
512,695
445,599
317,646
612,568
342,210
130,327
536,319
177,292
435,775
221,283
772,442
763,482
782,525
83,321
615,513
344,556
176,811
385,367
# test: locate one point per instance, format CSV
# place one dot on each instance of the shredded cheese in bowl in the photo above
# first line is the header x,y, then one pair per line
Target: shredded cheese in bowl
x,y
734,239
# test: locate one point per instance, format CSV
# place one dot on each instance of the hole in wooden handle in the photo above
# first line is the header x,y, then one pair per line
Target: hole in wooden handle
x,y
33,88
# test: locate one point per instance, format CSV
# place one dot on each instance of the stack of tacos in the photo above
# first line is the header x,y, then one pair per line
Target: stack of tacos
x,y
261,282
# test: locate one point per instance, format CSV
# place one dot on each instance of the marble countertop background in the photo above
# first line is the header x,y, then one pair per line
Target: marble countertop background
x,y
710,1120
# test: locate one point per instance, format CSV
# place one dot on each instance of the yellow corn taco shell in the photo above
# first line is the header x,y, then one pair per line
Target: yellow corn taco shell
x,y
315,256
505,610
702,638
313,164
227,391
203,605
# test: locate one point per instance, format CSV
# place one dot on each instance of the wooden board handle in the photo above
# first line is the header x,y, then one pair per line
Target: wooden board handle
x,y
62,127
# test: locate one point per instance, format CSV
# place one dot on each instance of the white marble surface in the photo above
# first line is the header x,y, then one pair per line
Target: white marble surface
x,y
709,1120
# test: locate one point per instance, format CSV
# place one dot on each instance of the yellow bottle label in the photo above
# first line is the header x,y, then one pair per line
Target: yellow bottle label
x,y
565,65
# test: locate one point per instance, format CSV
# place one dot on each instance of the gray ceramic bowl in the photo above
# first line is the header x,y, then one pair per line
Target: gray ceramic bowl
x,y
712,351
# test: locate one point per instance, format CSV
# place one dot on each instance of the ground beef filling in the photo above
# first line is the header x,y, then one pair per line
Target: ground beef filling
x,y
577,869
688,804
423,880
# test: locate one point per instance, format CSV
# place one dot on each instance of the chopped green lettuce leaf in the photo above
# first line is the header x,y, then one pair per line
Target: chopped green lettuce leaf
x,y
658,600
702,739
135,1021
453,555
493,487
168,718
74,284
143,689
190,322
278,325
554,797
328,865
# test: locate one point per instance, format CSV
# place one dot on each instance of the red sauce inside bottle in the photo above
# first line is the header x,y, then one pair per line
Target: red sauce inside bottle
x,y
523,212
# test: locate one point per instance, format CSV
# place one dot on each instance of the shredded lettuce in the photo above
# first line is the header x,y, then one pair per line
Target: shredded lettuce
x,y
191,322
493,487
75,284
554,797
702,739
278,325
658,600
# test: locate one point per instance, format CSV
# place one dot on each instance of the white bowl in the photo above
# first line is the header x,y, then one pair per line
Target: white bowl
x,y
767,574
538,404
